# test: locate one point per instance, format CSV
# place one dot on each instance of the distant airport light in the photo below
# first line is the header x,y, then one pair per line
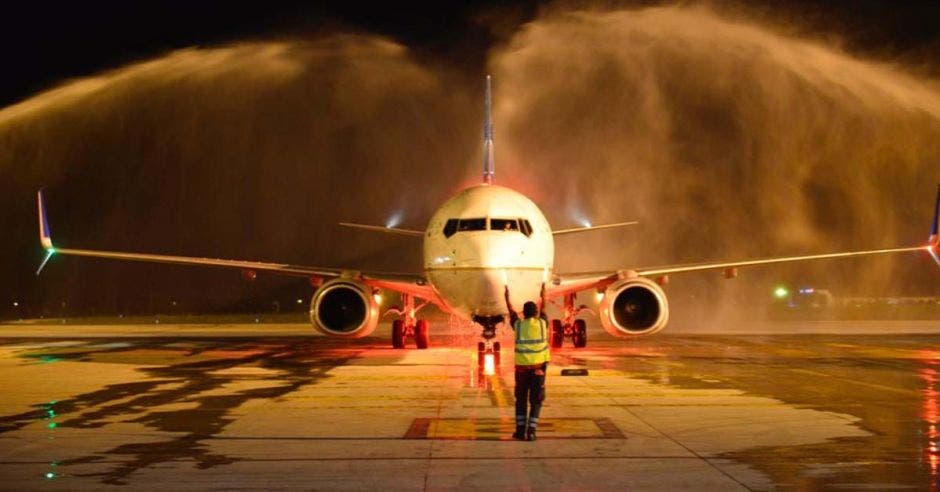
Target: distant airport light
x,y
300,301
807,290
489,364
781,292
15,304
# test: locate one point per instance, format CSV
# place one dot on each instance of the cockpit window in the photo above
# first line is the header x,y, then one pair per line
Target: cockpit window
x,y
450,227
472,225
453,226
526,227
504,224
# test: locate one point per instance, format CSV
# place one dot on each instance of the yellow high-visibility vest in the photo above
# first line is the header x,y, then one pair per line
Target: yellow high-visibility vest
x,y
531,341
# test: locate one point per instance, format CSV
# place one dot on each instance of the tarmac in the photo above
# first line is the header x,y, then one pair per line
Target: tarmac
x,y
801,406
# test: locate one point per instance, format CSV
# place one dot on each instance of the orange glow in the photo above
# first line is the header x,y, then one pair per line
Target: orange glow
x,y
489,364
930,411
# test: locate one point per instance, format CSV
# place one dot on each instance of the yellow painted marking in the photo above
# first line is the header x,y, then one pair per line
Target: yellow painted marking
x,y
493,429
497,391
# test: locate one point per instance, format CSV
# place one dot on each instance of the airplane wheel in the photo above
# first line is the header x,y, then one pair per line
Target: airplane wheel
x,y
421,334
496,347
398,334
481,347
580,333
558,333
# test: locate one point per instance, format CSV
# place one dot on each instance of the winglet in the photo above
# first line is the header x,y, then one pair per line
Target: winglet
x,y
45,237
933,244
934,236
489,165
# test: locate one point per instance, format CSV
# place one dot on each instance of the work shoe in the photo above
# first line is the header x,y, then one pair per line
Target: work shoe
x,y
531,435
520,433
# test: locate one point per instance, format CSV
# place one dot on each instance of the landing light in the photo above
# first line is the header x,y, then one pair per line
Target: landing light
x,y
781,292
489,364
598,296
378,297
394,219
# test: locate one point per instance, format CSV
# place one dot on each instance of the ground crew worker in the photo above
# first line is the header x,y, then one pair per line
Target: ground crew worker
x,y
532,355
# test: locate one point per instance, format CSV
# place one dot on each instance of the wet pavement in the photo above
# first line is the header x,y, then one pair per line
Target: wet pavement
x,y
271,406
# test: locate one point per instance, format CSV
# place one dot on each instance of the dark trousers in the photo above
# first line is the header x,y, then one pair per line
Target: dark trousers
x,y
530,388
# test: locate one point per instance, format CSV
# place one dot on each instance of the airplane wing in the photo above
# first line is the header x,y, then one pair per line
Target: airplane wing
x,y
575,282
387,230
594,228
400,282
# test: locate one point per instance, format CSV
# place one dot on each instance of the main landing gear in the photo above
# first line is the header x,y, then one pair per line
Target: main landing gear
x,y
568,326
407,325
488,349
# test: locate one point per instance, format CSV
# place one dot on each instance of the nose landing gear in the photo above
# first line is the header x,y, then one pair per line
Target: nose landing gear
x,y
407,325
569,326
488,349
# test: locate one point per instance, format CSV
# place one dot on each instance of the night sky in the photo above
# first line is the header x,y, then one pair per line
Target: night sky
x,y
111,202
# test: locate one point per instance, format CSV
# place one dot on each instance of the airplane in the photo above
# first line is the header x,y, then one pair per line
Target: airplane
x,y
480,241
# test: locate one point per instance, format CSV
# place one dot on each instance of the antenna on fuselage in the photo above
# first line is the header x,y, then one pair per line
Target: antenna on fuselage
x,y
489,164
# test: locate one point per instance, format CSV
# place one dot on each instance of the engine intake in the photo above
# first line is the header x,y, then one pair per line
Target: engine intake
x,y
344,308
634,306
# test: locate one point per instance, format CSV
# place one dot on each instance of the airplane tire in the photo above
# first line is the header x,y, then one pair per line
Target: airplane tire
x,y
422,339
558,333
496,347
398,334
580,333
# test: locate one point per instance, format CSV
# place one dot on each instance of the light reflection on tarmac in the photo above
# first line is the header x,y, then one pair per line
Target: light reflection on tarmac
x,y
271,406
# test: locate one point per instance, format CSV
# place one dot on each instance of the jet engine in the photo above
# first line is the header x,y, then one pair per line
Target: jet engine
x,y
634,306
344,308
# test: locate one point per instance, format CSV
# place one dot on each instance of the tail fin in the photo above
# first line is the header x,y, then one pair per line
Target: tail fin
x,y
489,165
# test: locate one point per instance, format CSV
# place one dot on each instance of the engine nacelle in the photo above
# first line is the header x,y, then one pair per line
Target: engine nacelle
x,y
344,308
633,307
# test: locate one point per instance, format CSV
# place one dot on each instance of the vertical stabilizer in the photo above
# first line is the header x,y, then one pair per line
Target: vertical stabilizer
x,y
489,165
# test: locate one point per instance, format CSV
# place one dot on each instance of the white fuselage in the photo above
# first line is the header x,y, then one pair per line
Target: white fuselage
x,y
481,240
